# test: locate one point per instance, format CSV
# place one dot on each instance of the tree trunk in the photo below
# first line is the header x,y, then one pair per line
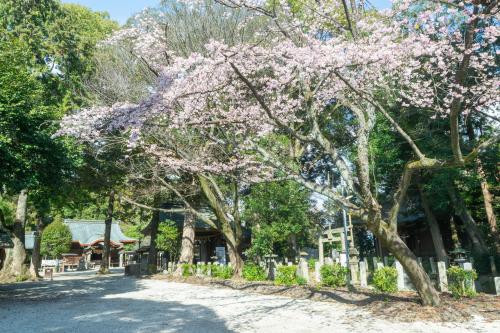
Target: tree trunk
x,y
391,240
187,245
235,259
107,234
152,255
478,243
437,238
488,206
35,256
14,265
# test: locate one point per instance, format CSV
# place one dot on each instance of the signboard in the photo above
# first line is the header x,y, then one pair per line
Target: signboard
x,y
220,252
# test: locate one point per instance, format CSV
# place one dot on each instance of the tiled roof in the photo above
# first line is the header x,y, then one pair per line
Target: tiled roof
x,y
87,232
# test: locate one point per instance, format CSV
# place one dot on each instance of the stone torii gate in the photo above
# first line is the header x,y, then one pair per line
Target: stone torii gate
x,y
335,235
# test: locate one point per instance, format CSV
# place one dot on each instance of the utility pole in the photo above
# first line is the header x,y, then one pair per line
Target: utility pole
x,y
344,221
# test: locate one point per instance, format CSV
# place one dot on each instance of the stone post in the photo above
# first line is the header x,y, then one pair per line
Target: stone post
x,y
375,263
442,278
468,267
328,261
362,274
433,265
303,269
120,256
289,263
317,271
401,276
320,251
496,280
209,269
419,259
386,261
379,265
493,266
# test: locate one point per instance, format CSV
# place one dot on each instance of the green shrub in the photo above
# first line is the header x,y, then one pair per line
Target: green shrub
x,y
334,275
460,282
222,272
386,279
203,268
311,262
301,281
187,269
286,275
254,272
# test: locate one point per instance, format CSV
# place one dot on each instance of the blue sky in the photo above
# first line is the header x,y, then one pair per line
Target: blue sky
x,y
121,10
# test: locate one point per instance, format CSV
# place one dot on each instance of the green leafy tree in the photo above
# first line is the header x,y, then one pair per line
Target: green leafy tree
x,y
279,216
168,238
56,240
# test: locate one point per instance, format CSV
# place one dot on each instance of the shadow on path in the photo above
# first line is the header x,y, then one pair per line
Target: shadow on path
x,y
106,304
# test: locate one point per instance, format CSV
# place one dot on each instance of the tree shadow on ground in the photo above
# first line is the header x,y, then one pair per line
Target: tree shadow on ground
x,y
105,304
359,297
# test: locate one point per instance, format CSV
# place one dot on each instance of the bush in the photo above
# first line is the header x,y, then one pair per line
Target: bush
x,y
254,272
386,279
301,281
187,269
222,272
203,268
311,262
460,282
286,275
334,275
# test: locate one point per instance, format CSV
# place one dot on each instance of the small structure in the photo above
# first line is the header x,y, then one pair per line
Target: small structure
x,y
335,235
87,238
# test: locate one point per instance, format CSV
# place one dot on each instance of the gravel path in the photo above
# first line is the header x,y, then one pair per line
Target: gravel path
x,y
84,302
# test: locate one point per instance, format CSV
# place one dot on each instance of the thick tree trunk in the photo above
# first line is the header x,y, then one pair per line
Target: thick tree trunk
x,y
187,244
107,234
488,204
14,265
35,256
152,255
437,238
391,240
471,228
235,259
485,190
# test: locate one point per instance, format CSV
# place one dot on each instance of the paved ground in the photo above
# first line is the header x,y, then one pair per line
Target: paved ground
x,y
84,302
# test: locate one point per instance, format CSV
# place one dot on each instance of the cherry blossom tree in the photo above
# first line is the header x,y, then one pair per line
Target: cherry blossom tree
x,y
312,70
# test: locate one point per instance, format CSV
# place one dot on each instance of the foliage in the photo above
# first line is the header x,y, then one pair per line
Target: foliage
x,y
187,269
385,279
286,275
254,272
56,240
222,271
203,268
168,238
461,281
334,275
278,213
311,263
301,281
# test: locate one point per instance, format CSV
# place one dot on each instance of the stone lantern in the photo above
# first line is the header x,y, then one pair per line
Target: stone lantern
x,y
353,265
